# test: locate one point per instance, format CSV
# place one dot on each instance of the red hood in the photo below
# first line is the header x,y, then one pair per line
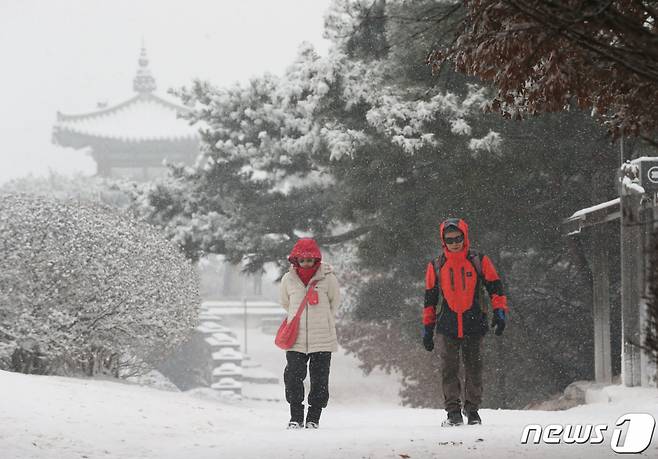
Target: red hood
x,y
463,227
305,248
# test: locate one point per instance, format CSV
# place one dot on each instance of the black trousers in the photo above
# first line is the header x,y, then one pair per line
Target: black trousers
x,y
294,375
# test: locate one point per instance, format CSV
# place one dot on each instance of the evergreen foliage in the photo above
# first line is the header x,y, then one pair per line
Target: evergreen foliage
x,y
367,151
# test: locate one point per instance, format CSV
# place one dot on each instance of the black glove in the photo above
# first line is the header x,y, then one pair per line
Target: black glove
x,y
498,321
428,338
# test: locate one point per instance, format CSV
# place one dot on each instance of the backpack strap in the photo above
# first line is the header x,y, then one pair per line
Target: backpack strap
x,y
483,298
474,257
476,260
304,302
438,263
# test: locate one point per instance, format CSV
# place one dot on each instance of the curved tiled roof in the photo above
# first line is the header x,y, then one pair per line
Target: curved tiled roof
x,y
142,118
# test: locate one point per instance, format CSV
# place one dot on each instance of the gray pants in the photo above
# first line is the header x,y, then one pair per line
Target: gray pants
x,y
452,351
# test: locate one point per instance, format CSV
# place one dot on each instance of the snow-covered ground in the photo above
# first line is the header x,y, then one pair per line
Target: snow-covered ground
x,y
54,417
348,385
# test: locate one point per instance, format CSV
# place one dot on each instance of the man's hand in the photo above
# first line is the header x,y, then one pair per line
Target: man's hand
x,y
428,338
498,321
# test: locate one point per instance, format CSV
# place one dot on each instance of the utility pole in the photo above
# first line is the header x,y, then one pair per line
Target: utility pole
x,y
244,311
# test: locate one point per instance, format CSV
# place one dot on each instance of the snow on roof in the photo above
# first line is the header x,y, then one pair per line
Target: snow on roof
x,y
213,342
227,383
223,338
591,216
144,117
227,369
227,353
589,210
231,342
208,316
210,327
213,305
260,374
251,311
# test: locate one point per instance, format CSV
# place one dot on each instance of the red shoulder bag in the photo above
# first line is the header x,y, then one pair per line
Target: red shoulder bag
x,y
287,334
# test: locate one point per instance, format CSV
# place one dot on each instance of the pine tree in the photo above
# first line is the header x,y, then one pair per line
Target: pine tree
x,y
368,156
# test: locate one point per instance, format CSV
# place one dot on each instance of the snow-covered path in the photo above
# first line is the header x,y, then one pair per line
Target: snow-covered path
x,y
53,417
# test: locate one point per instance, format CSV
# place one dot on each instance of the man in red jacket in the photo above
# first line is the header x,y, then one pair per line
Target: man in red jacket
x,y
454,282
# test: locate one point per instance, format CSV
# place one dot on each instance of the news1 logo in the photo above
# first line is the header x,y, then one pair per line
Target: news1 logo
x,y
637,427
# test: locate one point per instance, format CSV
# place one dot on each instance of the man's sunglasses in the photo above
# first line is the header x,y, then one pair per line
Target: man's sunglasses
x,y
306,260
454,240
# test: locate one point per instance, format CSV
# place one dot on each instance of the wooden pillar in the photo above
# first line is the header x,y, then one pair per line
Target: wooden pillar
x,y
632,271
103,168
601,306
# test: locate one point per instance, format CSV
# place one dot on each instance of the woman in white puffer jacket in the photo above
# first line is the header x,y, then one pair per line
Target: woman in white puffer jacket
x,y
317,331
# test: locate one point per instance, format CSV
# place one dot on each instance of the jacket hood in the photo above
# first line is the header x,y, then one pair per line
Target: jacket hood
x,y
305,248
459,224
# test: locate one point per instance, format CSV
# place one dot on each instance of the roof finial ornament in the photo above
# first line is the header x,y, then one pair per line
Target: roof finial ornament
x,y
143,81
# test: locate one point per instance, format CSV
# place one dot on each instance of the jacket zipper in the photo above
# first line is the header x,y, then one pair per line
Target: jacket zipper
x,y
308,289
308,348
452,279
463,279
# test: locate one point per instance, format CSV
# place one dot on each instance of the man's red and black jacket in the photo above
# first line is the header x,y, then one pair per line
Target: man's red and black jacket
x,y
460,313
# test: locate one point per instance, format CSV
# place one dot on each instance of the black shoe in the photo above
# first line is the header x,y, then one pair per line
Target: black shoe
x,y
312,425
454,419
297,413
313,416
294,425
473,417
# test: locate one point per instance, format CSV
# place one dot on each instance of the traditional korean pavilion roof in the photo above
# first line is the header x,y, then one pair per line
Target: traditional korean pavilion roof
x,y
145,117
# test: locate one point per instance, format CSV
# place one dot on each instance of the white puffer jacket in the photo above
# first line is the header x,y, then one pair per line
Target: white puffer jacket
x,y
317,327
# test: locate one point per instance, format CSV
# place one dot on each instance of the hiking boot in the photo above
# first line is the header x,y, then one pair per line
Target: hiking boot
x,y
454,419
473,417
294,425
312,425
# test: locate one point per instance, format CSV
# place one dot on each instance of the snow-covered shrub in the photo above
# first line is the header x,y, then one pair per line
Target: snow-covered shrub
x,y
86,288
114,192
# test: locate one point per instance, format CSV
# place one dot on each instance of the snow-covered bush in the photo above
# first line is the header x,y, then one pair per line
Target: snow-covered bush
x,y
85,288
115,192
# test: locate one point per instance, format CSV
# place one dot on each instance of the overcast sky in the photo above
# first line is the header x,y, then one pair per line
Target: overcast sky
x,y
67,55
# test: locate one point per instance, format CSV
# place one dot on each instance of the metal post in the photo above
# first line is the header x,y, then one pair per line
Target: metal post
x,y
244,308
227,282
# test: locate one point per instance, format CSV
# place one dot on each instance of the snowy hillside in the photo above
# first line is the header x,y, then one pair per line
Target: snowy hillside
x,y
53,417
